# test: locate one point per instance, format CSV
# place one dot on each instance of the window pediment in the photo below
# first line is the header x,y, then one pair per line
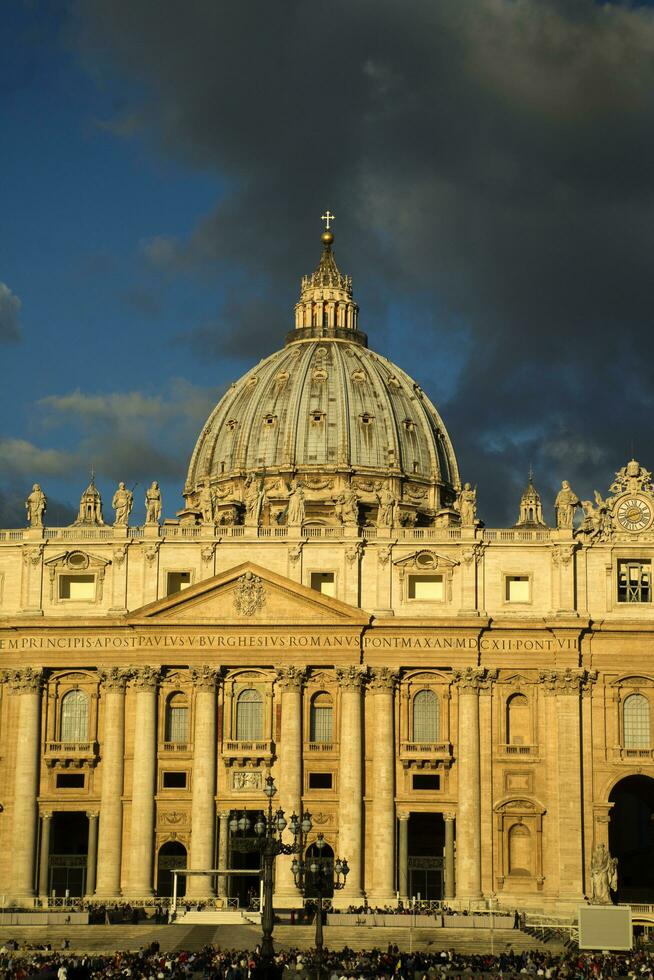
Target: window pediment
x,y
426,560
76,561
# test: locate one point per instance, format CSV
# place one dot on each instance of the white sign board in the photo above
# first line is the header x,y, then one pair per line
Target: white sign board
x,y
605,927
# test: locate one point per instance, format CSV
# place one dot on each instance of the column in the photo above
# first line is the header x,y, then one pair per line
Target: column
x,y
448,877
112,753
382,688
566,685
203,804
350,791
403,876
144,770
27,684
289,682
91,854
44,857
468,869
223,852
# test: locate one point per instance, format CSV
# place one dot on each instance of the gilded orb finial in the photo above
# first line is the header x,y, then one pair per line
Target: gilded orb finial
x,y
327,237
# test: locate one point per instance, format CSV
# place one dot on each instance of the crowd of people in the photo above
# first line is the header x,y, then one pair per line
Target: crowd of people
x,y
215,963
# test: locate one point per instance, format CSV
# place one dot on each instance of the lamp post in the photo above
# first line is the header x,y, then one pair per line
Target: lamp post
x,y
267,840
320,874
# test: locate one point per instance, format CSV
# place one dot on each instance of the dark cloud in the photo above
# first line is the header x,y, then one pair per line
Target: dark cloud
x,y
493,162
13,514
9,314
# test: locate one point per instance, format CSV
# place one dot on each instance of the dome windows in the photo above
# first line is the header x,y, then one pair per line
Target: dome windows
x,y
269,421
317,418
366,419
359,376
409,425
394,382
231,424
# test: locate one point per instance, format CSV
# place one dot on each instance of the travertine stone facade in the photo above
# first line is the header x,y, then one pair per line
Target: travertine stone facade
x,y
458,706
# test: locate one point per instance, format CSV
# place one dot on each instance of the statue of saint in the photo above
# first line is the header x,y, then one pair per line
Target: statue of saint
x,y
347,506
254,501
153,503
564,505
36,505
603,875
122,503
296,507
466,504
205,503
386,509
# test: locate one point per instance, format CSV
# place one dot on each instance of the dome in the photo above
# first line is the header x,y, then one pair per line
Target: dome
x,y
327,412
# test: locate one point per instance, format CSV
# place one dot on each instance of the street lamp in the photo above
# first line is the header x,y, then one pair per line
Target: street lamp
x,y
321,874
267,840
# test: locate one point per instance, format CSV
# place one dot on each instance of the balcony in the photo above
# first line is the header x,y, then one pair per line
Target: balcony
x,y
320,748
518,751
178,749
425,755
247,753
71,754
622,754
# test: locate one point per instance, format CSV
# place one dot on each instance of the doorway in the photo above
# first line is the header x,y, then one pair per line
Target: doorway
x,y
68,851
172,857
426,845
631,837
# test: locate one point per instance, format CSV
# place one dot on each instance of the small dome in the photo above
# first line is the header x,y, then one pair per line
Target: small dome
x,y
327,410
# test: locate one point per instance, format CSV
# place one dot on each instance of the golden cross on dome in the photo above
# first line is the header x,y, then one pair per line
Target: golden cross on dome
x,y
327,217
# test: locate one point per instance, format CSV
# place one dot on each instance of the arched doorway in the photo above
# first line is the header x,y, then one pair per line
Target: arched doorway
x,y
172,857
326,853
631,837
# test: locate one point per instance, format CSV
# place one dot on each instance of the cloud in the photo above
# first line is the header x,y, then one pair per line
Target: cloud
x,y
18,457
10,307
131,436
497,167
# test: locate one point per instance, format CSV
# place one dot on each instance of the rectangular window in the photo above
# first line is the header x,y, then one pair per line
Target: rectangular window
x,y
427,588
427,782
70,780
174,780
517,588
634,581
324,582
177,582
80,587
320,780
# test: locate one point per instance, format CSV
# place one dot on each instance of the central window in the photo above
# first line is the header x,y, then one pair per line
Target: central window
x,y
249,716
324,582
426,717
634,581
80,587
320,718
426,588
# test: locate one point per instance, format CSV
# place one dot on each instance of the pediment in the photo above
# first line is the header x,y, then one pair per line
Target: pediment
x,y
251,595
76,560
425,559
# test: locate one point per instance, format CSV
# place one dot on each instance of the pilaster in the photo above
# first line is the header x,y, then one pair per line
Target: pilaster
x,y
289,681
382,688
203,807
110,831
350,797
141,851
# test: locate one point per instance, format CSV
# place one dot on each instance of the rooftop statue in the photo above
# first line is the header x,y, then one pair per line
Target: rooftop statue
x,y
386,509
296,507
36,505
466,504
255,498
153,503
122,503
206,503
564,506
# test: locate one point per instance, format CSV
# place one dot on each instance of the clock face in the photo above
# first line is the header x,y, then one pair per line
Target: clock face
x,y
634,514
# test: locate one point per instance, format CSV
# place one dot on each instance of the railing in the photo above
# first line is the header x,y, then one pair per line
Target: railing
x,y
425,750
507,749
174,747
516,534
263,748
320,747
71,750
636,753
108,532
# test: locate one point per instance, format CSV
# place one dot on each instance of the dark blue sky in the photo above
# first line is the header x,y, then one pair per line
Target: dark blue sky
x,y
163,170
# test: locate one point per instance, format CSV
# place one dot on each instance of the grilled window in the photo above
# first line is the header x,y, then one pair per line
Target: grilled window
x,y
320,721
74,717
636,723
176,727
634,581
426,717
249,716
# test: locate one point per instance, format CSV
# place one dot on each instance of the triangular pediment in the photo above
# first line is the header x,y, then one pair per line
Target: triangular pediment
x,y
251,595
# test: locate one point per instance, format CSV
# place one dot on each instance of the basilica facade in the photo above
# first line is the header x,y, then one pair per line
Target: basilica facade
x,y
465,711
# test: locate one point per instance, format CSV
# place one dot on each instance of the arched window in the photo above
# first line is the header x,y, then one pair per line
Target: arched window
x,y
520,857
517,720
636,723
320,719
176,726
249,716
74,717
426,717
